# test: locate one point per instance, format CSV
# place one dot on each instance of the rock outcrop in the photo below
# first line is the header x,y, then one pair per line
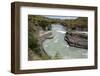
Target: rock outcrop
x,y
75,39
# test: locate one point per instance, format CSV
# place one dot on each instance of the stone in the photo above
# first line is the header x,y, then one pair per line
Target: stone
x,y
75,39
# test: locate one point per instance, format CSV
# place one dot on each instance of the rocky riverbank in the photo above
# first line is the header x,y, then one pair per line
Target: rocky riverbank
x,y
42,37
45,35
75,39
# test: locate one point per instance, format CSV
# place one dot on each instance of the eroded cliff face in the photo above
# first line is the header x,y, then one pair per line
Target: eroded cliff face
x,y
79,40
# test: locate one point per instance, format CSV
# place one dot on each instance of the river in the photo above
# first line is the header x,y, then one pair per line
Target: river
x,y
58,46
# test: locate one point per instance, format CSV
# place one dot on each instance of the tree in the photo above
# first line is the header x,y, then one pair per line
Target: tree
x,y
44,24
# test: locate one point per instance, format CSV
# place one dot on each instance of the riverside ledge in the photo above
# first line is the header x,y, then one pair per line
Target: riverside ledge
x,y
77,39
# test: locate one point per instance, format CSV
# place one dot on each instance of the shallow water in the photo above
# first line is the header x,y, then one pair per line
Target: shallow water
x,y
57,45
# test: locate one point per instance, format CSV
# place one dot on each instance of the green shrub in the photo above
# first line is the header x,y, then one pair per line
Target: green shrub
x,y
32,41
